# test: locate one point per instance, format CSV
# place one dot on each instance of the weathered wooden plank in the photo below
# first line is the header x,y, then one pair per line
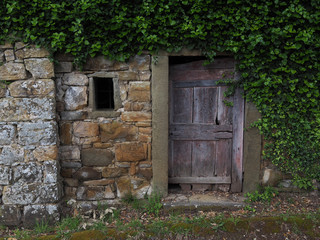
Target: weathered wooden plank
x,y
237,148
223,157
224,112
200,132
223,62
182,105
189,75
203,158
204,180
205,105
181,154
201,83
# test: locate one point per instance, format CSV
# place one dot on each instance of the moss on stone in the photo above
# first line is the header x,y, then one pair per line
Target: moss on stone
x,y
88,235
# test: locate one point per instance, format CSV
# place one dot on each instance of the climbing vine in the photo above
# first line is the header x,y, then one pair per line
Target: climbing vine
x,y
276,44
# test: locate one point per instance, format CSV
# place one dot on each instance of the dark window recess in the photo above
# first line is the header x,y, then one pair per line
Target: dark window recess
x,y
104,93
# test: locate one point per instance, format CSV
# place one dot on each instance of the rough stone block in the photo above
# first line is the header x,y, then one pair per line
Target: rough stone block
x,y
27,173
136,186
63,67
46,153
144,75
71,164
5,175
31,193
3,89
96,157
137,106
136,116
113,172
141,63
51,170
69,152
24,109
85,129
71,182
6,45
7,134
12,71
95,193
100,182
74,115
10,215
146,173
98,63
76,98
67,172
117,131
75,79
32,88
87,173
65,133
131,152
128,76
9,54
11,154
31,52
40,133
39,67
34,214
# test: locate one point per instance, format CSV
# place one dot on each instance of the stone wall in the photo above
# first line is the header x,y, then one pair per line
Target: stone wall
x,y
30,188
104,156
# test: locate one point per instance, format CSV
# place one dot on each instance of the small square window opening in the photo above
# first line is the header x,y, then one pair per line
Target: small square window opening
x,y
104,93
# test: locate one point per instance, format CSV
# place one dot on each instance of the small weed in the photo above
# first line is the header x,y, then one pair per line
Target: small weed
x,y
67,226
263,195
22,234
154,205
234,220
249,208
101,226
159,228
128,198
41,227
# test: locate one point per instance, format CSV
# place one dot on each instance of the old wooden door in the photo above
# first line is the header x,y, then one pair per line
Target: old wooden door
x,y
205,135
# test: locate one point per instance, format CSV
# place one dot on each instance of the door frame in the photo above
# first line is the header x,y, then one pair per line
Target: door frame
x,y
160,129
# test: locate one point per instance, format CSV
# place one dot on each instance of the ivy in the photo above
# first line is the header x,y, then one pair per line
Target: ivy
x,y
276,44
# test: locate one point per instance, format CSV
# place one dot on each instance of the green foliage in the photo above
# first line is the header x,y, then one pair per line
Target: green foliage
x,y
154,205
42,227
263,195
276,44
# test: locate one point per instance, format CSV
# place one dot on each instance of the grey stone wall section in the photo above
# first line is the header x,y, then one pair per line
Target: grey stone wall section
x,y
43,133
160,124
7,134
251,149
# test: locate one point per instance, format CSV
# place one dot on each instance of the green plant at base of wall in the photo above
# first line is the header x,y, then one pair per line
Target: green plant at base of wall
x,y
276,44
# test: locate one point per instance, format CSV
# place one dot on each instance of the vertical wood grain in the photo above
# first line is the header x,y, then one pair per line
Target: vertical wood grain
x,y
205,105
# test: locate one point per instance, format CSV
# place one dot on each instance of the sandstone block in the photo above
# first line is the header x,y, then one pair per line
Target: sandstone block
x,y
87,173
95,193
31,52
46,153
71,182
31,193
39,67
65,133
7,134
75,98
34,214
98,63
131,152
40,133
67,172
70,192
117,131
63,67
128,76
136,116
23,109
10,215
100,182
3,89
139,92
75,79
113,172
141,63
69,152
12,71
5,175
9,55
137,106
146,173
6,45
32,88
136,186
11,154
102,145
51,172
74,115
96,157
85,129
144,75
27,173
71,164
